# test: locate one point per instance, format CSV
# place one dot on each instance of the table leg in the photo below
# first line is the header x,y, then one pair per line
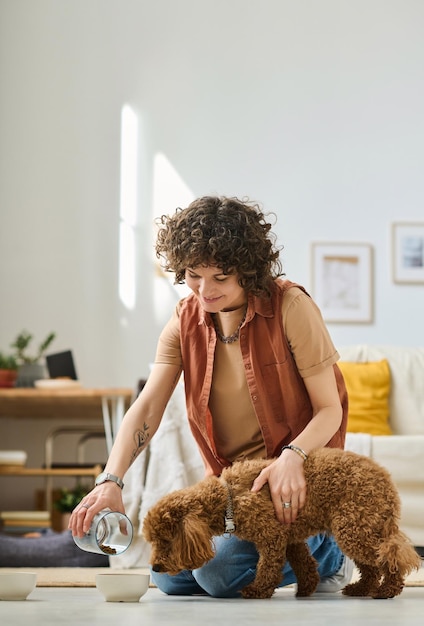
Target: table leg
x,y
113,408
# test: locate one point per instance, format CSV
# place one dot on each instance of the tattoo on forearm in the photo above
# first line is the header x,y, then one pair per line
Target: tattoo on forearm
x,y
141,438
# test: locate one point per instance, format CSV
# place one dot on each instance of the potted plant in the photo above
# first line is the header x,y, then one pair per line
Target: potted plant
x,y
8,370
67,500
30,369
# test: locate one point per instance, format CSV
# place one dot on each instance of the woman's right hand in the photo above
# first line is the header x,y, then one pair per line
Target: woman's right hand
x,y
108,495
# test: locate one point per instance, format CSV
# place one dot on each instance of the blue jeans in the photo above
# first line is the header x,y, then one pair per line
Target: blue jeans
x,y
234,566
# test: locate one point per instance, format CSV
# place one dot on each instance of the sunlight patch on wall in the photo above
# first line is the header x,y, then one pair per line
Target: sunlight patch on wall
x,y
169,189
128,206
169,192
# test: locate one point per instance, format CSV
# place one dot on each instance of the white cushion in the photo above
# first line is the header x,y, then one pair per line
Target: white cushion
x,y
402,455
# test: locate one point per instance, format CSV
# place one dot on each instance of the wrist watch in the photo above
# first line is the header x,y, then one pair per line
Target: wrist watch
x,y
105,476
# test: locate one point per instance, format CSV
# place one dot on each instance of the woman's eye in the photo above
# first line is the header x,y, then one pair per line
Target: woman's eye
x,y
221,280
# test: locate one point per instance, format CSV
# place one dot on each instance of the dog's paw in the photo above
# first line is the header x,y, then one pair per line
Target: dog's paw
x,y
388,590
254,591
307,586
359,589
304,592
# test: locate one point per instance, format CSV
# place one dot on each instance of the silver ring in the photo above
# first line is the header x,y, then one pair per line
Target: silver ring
x,y
287,505
85,506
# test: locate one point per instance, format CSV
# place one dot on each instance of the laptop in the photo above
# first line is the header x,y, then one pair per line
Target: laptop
x,y
61,365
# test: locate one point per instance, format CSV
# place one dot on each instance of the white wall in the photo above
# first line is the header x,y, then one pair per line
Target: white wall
x,y
312,107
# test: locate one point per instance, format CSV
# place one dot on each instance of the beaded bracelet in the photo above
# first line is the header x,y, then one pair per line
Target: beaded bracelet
x,y
298,451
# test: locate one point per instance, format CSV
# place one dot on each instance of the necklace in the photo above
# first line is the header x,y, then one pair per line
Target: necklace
x,y
231,338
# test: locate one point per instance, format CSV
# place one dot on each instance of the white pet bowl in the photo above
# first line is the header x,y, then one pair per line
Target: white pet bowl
x,y
122,587
17,585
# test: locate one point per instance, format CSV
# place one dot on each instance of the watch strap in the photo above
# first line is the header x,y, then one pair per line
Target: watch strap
x,y
105,477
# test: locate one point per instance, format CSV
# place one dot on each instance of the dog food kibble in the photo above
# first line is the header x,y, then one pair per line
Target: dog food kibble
x,y
107,549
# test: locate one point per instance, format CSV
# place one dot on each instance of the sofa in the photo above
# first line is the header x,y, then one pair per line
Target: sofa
x,y
386,385
386,422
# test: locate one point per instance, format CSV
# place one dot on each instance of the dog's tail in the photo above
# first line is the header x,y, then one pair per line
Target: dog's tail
x,y
396,554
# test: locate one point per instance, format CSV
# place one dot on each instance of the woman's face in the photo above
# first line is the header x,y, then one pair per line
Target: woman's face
x,y
215,291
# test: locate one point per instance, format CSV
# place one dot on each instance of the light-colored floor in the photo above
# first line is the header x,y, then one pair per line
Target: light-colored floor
x,y
59,605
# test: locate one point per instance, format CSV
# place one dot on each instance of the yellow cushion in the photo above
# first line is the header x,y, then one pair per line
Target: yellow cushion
x,y
368,388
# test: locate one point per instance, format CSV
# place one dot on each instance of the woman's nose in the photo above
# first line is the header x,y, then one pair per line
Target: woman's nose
x,y
203,287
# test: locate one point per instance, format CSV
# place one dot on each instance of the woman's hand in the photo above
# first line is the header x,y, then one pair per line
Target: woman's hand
x,y
108,495
285,476
286,480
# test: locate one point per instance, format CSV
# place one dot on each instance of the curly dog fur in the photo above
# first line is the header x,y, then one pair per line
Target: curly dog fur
x,y
348,496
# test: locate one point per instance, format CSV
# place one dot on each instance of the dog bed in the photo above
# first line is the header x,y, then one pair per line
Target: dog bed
x,y
48,549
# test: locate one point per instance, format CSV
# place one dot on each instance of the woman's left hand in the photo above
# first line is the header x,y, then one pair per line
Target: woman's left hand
x,y
286,480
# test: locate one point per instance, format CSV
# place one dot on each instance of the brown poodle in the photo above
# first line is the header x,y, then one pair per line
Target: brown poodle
x,y
348,496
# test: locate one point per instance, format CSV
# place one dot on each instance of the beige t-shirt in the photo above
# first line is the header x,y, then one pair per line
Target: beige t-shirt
x,y
236,429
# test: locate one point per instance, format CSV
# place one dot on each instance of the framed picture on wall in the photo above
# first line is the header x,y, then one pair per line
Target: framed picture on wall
x,y
408,252
342,281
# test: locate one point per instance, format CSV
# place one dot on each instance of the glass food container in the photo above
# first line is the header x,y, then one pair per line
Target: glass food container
x,y
110,533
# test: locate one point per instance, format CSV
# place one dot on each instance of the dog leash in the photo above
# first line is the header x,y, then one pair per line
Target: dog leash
x,y
230,526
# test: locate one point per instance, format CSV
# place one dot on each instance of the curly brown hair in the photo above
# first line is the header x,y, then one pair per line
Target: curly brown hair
x,y
221,231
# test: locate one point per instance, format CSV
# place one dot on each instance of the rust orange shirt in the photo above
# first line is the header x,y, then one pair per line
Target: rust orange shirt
x,y
273,376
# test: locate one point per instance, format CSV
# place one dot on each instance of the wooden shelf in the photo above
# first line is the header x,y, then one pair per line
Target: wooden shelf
x,y
13,470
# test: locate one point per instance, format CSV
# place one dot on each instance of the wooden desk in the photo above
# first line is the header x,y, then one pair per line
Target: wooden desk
x,y
63,403
105,404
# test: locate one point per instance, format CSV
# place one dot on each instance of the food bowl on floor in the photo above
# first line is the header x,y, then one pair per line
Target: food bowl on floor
x,y
17,585
122,587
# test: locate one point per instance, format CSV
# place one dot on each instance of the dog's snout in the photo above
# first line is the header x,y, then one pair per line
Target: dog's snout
x,y
156,567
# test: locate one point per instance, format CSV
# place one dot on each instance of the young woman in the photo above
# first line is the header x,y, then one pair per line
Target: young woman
x,y
260,379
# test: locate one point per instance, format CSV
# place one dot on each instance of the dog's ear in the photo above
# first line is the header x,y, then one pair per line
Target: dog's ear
x,y
195,541
159,525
